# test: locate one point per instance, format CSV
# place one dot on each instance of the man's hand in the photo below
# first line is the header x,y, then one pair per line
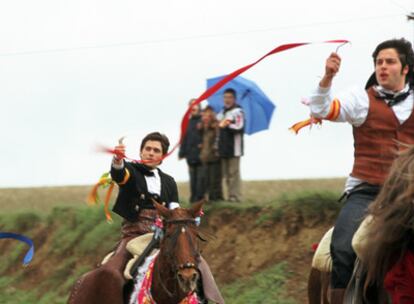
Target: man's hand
x,y
225,123
333,63
120,150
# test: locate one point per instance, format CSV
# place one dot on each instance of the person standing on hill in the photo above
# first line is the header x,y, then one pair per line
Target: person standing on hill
x,y
190,150
230,144
381,116
209,155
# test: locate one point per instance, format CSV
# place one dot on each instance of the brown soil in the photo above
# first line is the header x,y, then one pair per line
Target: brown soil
x,y
242,246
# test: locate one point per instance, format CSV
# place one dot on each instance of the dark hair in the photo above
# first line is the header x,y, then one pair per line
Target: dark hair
x,y
391,231
230,91
405,53
157,136
208,108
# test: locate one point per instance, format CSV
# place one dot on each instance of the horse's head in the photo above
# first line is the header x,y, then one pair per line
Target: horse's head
x,y
180,244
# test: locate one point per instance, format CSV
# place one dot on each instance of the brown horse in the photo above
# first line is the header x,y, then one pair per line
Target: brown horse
x,y
318,286
175,270
387,238
320,274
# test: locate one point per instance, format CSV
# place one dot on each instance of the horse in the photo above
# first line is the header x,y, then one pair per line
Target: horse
x,y
384,243
320,273
175,271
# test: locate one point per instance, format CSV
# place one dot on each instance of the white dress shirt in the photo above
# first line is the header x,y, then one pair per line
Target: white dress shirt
x,y
354,110
153,183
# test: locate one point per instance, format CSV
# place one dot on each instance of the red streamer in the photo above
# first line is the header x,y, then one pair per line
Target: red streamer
x,y
213,89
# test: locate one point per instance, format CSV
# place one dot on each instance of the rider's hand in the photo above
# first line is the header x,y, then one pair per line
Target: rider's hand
x,y
119,150
333,63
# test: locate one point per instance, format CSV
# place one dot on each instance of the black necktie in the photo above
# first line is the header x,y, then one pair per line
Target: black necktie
x,y
145,170
392,99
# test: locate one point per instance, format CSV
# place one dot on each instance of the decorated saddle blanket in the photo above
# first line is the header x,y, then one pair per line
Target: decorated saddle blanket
x,y
322,258
143,282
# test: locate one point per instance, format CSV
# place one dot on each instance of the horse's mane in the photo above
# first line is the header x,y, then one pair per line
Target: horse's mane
x,y
392,229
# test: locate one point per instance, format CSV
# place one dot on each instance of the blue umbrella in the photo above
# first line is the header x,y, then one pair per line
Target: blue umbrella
x,y
257,107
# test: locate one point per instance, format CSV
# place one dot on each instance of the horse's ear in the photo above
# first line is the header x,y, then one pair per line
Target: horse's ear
x,y
162,210
196,208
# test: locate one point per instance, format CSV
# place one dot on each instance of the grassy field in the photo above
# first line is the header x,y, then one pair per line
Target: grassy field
x,y
44,199
71,238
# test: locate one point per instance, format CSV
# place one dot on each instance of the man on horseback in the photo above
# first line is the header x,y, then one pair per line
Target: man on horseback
x,y
138,185
142,188
381,116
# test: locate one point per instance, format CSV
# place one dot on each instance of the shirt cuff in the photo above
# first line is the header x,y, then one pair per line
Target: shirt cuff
x,y
174,205
323,91
117,166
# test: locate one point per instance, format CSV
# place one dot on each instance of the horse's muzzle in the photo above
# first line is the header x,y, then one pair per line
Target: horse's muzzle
x,y
187,279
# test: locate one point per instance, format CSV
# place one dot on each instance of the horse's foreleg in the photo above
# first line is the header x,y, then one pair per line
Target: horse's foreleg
x,y
314,286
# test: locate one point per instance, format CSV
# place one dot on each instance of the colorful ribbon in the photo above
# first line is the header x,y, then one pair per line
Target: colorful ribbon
x,y
213,89
30,253
93,198
145,296
334,111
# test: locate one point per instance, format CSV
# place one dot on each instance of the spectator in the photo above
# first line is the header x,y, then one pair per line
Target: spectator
x,y
230,144
209,155
190,150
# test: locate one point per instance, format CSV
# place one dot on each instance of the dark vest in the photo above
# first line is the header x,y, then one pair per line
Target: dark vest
x,y
376,141
227,139
133,196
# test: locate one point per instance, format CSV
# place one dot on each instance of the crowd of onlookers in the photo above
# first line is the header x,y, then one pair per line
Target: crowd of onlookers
x,y
212,146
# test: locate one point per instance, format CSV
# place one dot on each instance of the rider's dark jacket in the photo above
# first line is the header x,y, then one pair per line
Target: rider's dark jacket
x,y
133,193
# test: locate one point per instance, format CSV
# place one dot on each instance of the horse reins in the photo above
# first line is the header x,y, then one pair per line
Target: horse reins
x,y
187,265
186,221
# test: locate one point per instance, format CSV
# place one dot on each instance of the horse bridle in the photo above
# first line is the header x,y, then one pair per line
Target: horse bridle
x,y
184,221
187,265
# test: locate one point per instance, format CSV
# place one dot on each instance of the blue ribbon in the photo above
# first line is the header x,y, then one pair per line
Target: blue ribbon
x,y
29,255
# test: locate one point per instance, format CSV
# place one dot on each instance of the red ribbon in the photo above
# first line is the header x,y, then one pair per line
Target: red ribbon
x,y
213,89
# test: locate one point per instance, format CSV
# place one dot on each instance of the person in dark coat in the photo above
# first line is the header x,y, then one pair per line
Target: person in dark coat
x,y
138,185
190,150
209,155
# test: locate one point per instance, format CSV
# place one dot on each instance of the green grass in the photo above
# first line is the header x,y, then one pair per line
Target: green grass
x,y
71,237
263,287
44,199
311,205
76,239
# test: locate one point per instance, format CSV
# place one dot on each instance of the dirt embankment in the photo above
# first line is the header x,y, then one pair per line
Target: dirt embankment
x,y
253,240
246,241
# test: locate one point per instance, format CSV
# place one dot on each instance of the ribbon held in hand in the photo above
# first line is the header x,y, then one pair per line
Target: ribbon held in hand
x,y
186,118
29,255
213,89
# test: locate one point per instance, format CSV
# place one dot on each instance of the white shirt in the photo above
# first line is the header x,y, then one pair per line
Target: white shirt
x,y
354,110
153,183
235,115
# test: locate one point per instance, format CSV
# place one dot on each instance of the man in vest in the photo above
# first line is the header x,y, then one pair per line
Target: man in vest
x,y
230,143
382,117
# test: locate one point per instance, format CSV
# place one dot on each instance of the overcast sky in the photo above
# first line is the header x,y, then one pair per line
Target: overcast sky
x,y
78,73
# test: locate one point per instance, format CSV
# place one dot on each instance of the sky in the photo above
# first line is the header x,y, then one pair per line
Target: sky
x,y
75,74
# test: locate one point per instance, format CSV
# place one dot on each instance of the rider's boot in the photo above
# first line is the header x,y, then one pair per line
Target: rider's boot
x,y
337,296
